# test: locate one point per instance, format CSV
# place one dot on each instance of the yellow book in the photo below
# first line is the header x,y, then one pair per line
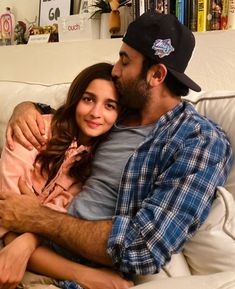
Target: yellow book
x,y
201,15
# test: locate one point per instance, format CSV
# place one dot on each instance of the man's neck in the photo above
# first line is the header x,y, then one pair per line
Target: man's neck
x,y
151,113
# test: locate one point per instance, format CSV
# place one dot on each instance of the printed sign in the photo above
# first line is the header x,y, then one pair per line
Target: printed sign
x,y
51,10
39,38
78,27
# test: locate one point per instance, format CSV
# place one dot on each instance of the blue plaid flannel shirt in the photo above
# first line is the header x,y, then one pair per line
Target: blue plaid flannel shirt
x,y
167,189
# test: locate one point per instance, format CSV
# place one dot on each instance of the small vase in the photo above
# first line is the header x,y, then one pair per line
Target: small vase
x,y
104,26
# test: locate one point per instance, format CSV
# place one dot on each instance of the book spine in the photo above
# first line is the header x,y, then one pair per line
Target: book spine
x,y
224,15
180,10
231,14
146,5
201,16
141,6
165,6
216,15
177,9
170,6
160,6
152,5
193,15
133,7
209,15
186,13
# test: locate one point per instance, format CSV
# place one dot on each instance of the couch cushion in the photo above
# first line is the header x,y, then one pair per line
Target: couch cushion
x,y
219,106
177,267
212,249
12,93
223,280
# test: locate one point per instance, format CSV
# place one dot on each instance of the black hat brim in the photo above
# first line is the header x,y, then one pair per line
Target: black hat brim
x,y
185,80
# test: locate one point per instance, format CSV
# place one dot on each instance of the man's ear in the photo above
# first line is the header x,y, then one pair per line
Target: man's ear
x,y
156,74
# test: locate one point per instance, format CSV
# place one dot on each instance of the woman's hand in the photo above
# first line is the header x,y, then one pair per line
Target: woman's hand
x,y
14,258
26,125
103,279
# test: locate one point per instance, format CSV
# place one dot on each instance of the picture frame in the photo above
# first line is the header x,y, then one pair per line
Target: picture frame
x,y
51,10
85,6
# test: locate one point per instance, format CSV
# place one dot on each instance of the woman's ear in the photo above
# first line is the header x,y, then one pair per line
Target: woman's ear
x,y
156,74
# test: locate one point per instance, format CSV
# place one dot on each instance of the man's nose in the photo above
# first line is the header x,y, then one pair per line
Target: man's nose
x,y
116,71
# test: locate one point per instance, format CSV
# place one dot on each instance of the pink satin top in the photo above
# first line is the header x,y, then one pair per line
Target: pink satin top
x,y
20,163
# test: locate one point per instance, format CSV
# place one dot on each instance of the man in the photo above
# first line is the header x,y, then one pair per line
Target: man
x,y
164,174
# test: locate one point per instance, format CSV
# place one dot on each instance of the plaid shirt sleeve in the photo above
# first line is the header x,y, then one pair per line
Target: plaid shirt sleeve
x,y
176,206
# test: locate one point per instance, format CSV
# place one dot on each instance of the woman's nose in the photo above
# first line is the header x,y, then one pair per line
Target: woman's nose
x,y
96,111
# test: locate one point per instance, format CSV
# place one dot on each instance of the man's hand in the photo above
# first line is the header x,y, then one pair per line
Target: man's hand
x,y
26,125
18,211
23,213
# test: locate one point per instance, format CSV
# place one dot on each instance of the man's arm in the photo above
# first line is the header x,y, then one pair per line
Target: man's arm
x,y
174,208
23,213
27,126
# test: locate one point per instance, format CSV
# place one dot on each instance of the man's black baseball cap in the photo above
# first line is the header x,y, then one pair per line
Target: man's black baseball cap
x,y
162,38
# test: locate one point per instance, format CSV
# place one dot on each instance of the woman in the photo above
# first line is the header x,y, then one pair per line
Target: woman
x,y
57,173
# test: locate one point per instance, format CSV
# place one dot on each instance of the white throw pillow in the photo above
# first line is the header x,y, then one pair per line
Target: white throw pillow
x,y
12,93
212,249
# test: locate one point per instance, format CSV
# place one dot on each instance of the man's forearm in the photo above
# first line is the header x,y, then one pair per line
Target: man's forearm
x,y
87,238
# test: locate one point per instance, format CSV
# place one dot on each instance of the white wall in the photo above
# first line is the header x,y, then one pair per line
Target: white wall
x,y
25,9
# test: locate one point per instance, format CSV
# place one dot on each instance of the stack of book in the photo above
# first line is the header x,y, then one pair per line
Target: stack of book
x,y
198,15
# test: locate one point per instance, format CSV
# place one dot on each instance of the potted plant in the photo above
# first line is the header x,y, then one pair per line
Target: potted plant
x,y
110,15
104,6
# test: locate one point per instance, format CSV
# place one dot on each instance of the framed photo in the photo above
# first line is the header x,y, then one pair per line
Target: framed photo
x,y
85,6
51,10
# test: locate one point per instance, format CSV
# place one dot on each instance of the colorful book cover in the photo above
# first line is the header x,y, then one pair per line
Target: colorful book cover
x,y
201,15
224,15
231,14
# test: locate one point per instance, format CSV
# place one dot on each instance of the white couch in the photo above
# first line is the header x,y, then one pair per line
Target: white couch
x,y
43,72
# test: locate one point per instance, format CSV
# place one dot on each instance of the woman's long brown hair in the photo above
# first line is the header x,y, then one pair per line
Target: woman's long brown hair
x,y
64,127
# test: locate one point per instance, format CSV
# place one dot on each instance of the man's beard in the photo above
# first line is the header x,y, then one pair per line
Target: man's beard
x,y
133,93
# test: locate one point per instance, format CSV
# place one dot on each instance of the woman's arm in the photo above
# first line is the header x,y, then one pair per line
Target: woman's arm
x,y
46,262
14,257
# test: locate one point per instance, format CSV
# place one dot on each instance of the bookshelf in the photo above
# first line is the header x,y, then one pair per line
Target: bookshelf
x,y
198,15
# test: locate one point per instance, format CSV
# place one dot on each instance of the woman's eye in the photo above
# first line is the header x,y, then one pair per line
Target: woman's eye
x,y
111,106
87,99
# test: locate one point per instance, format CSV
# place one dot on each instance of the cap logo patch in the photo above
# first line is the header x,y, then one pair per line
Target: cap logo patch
x,y
162,47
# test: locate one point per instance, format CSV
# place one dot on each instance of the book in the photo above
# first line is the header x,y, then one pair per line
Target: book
x,y
193,15
209,15
201,15
160,6
186,13
216,11
179,10
231,14
224,15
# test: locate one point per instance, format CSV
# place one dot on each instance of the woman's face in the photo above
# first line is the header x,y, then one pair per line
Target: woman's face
x,y
97,110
